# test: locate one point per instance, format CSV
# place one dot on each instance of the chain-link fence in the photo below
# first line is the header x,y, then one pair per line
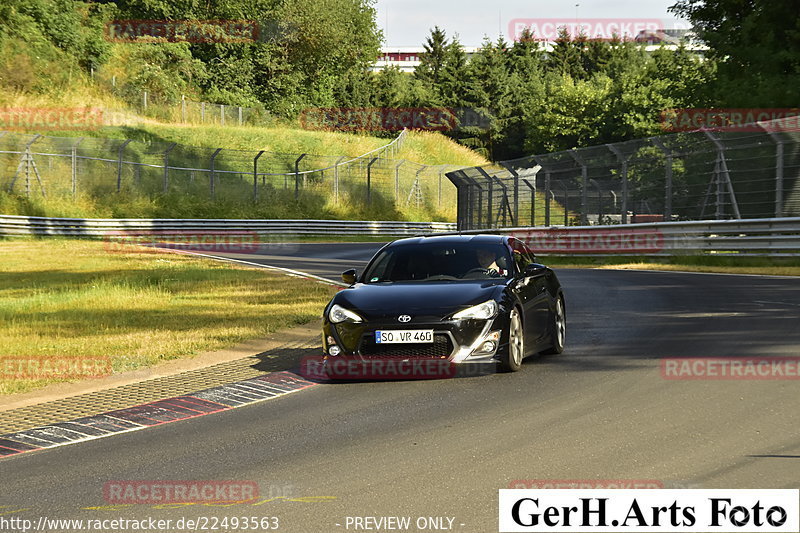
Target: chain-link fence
x,y
695,175
37,165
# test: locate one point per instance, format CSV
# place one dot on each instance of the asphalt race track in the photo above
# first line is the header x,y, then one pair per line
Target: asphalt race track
x,y
600,411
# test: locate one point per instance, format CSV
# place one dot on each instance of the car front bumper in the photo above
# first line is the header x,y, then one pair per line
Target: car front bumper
x,y
457,341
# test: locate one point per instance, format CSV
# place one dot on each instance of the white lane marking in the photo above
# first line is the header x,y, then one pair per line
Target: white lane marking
x,y
287,271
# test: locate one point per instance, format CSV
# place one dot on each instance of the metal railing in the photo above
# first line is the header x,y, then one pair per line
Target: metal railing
x,y
695,175
769,237
98,227
37,165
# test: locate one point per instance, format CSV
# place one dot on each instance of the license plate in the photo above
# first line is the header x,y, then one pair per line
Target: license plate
x,y
403,336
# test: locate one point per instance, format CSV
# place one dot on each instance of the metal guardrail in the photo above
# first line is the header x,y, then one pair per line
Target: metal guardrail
x,y
98,227
768,237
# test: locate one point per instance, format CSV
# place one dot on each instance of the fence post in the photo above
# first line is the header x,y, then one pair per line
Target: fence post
x,y
336,179
779,156
624,172
222,114
584,187
183,108
166,166
144,99
397,180
119,164
255,175
548,195
369,180
722,170
297,176
213,177
75,167
515,175
202,112
240,115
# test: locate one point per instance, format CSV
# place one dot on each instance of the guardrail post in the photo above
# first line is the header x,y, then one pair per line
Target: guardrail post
x,y
255,175
166,166
623,162
369,180
119,164
779,162
212,183
297,176
75,167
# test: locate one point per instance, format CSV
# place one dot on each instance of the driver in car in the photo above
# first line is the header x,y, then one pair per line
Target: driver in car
x,y
488,260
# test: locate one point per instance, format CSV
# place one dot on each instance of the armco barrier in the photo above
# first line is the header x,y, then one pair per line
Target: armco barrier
x,y
98,227
768,237
772,237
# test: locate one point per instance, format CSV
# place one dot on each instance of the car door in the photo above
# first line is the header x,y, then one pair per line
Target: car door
x,y
537,313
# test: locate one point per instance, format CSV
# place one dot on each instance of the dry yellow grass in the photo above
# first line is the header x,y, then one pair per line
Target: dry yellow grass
x,y
75,299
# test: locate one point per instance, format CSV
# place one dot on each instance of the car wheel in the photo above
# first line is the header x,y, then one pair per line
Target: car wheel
x,y
511,361
558,330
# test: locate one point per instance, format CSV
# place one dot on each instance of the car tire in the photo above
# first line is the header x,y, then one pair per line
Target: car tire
x,y
511,360
558,328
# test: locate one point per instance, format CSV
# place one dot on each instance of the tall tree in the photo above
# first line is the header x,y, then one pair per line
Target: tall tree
x,y
433,59
565,57
757,45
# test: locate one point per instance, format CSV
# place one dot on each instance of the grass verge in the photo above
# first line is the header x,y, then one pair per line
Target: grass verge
x,y
75,299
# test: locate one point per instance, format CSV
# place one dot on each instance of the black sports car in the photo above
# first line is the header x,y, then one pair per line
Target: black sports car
x,y
459,298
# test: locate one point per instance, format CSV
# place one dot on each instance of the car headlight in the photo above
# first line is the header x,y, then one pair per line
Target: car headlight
x,y
340,314
484,311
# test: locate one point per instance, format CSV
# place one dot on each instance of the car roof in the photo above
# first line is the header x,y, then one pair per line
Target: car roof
x,y
452,239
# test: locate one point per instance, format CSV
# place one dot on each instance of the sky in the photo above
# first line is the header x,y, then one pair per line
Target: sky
x,y
408,22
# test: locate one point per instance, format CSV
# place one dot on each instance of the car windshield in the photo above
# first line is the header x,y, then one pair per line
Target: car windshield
x,y
439,262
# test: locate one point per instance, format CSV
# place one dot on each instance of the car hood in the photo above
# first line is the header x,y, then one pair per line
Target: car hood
x,y
377,300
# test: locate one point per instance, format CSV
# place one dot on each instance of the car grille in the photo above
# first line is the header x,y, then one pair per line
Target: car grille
x,y
441,346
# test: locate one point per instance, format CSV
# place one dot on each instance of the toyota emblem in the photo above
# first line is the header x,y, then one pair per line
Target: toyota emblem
x,y
404,318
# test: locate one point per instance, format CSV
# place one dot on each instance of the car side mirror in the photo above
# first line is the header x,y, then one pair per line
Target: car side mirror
x,y
534,269
349,276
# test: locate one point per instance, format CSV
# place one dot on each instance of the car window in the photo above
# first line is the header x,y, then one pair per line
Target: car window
x,y
439,262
